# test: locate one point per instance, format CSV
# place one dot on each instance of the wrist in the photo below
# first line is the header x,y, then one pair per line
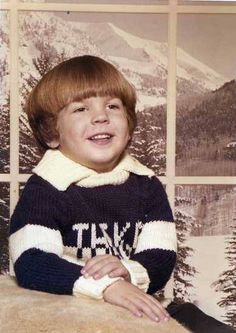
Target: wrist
x,y
128,277
114,285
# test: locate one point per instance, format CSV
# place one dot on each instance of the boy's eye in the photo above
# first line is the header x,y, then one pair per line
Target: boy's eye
x,y
79,109
113,106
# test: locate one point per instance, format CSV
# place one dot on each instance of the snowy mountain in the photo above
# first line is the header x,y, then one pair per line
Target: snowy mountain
x,y
42,33
150,57
144,62
196,72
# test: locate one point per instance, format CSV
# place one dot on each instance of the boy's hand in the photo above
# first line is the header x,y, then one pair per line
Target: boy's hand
x,y
106,264
126,295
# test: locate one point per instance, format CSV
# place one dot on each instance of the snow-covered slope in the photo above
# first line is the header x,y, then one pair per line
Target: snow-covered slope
x,y
144,62
195,71
209,260
152,56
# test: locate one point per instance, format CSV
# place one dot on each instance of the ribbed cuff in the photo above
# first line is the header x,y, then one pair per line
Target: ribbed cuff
x,y
91,287
138,274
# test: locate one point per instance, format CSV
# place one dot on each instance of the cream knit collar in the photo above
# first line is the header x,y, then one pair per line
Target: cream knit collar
x,y
61,171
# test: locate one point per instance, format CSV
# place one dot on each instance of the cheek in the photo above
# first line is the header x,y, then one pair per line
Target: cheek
x,y
70,131
124,126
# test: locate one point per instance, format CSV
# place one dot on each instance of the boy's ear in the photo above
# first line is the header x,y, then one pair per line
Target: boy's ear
x,y
53,144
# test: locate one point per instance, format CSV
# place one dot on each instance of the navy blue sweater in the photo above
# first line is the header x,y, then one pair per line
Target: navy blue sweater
x,y
132,220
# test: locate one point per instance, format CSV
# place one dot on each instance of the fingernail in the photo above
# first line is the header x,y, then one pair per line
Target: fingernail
x,y
82,271
96,276
166,318
157,319
86,275
139,314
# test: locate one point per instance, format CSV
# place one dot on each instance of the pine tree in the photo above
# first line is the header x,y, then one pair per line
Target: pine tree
x,y
30,153
4,119
183,271
226,282
148,144
5,136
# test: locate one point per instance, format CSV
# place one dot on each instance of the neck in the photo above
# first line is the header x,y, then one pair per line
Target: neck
x,y
97,167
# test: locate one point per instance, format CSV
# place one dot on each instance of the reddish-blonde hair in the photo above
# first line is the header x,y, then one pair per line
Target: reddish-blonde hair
x,y
73,80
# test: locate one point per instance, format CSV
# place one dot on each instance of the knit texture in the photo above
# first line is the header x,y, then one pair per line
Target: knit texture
x,y
54,163
53,231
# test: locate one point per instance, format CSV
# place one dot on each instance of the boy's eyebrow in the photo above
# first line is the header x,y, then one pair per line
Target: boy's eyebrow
x,y
76,104
83,100
115,97
70,104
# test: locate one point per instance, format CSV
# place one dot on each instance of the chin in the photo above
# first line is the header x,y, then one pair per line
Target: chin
x,y
103,165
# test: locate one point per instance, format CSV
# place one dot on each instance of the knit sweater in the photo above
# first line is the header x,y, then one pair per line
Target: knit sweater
x,y
68,213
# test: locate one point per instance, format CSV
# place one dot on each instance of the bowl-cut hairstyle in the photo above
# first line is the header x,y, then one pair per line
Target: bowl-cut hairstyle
x,y
74,80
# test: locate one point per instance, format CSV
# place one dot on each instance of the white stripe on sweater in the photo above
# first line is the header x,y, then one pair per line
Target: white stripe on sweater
x,y
157,235
138,274
35,236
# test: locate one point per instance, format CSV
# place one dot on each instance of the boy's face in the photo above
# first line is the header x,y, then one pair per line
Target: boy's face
x,y
93,132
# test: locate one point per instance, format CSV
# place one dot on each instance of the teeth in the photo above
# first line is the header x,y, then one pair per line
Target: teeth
x,y
100,136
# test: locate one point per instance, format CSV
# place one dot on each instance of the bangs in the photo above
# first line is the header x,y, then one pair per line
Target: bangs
x,y
79,90
74,82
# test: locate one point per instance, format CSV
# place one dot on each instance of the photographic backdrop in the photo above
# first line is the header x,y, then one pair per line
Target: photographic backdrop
x,y
205,142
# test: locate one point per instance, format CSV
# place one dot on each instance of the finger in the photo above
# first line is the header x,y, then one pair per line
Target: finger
x,y
152,310
146,309
93,263
129,305
99,264
119,272
158,305
108,270
157,308
101,269
90,262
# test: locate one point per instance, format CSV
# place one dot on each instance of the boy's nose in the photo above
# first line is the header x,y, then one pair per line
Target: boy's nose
x,y
99,116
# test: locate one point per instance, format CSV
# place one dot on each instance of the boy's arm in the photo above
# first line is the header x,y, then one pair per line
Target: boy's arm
x,y
36,247
154,258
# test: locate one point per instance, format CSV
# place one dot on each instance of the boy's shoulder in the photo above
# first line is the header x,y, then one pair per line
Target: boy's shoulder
x,y
150,181
36,181
149,185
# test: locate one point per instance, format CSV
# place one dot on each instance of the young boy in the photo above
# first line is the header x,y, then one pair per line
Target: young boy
x,y
91,220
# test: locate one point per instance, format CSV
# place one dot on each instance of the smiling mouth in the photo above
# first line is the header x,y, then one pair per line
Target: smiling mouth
x,y
101,138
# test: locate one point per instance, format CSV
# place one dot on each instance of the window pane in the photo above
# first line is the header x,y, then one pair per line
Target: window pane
x,y
206,228
206,95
